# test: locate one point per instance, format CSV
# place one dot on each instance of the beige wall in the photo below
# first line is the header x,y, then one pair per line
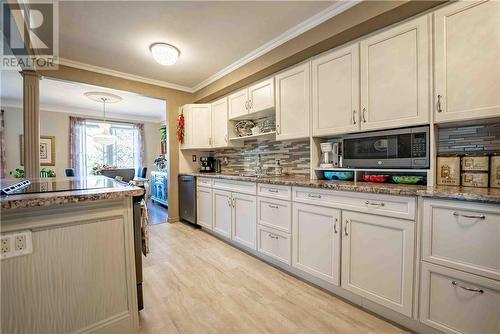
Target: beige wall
x,y
57,124
174,99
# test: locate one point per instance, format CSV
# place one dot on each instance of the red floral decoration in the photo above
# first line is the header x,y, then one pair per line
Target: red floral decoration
x,y
180,128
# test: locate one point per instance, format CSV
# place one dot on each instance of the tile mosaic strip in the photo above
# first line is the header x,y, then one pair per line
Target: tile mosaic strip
x,y
469,139
294,156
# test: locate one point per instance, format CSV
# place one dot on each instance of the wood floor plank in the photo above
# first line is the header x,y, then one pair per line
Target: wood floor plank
x,y
195,283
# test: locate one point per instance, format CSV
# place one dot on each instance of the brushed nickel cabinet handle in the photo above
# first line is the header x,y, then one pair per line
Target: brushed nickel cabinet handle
x,y
364,115
354,117
273,236
455,283
313,196
234,202
335,226
273,206
225,139
272,190
456,214
345,227
278,129
229,202
374,204
439,109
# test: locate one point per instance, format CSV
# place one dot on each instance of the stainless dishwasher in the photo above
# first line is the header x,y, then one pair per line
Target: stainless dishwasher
x,y
187,198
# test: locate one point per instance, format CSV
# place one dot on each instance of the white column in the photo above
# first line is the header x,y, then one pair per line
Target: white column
x,y
31,122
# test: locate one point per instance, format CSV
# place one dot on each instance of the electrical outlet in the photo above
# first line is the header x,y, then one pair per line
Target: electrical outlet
x,y
5,245
16,244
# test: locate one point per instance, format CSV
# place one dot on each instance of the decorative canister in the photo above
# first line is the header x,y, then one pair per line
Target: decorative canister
x,y
448,171
495,171
476,163
475,179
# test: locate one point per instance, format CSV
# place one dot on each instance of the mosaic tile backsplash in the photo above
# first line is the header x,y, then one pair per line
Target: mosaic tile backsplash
x,y
469,139
294,156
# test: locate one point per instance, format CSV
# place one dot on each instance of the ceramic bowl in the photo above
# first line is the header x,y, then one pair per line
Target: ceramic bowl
x,y
413,179
344,176
376,178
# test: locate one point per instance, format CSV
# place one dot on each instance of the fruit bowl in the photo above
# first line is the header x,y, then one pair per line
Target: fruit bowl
x,y
344,176
376,178
414,179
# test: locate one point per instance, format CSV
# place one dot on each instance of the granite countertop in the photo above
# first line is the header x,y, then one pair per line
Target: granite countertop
x,y
485,195
111,190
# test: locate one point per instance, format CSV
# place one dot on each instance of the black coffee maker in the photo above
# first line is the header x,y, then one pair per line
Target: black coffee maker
x,y
207,165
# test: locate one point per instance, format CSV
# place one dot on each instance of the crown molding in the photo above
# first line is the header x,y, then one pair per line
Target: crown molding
x,y
299,29
102,70
315,20
9,103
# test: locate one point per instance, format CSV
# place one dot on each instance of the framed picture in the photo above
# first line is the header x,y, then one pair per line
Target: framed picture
x,y
47,150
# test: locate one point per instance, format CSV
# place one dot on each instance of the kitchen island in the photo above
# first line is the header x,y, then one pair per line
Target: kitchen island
x,y
78,274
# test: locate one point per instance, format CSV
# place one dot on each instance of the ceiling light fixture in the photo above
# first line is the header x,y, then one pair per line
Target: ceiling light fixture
x,y
104,136
164,54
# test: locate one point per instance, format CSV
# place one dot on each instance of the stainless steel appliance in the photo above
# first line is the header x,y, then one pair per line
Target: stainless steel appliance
x,y
400,148
207,164
187,198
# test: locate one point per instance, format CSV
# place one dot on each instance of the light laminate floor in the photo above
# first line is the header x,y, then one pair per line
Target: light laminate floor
x,y
195,283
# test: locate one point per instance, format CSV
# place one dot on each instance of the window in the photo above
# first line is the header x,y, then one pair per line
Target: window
x,y
125,153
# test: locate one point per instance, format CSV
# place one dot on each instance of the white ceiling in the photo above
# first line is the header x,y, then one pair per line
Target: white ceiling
x,y
214,37
63,96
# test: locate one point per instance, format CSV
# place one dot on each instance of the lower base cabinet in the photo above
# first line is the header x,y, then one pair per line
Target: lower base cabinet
x,y
457,302
204,207
274,243
222,212
244,219
378,259
316,241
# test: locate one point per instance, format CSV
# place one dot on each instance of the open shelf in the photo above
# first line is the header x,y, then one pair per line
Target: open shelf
x,y
266,135
374,170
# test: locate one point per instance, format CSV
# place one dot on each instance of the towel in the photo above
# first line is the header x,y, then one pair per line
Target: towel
x,y
144,228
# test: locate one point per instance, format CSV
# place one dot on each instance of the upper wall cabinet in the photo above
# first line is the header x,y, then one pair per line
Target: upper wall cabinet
x,y
467,63
220,128
395,76
255,100
293,103
197,126
335,91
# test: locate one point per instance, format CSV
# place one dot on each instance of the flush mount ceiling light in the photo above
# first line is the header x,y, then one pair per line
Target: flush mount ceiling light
x,y
104,136
164,54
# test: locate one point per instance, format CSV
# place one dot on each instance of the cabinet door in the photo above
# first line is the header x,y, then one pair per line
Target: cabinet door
x,y
201,120
221,201
467,66
261,96
293,103
377,259
316,241
395,76
244,219
219,123
238,104
335,91
204,207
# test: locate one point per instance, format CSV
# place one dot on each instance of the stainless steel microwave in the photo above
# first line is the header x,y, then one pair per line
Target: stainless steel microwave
x,y
399,148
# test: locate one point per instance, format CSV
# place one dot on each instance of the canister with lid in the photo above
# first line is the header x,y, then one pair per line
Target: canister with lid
x,y
448,171
495,171
475,179
476,163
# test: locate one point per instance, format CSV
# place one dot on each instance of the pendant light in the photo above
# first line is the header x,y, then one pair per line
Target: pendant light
x,y
104,136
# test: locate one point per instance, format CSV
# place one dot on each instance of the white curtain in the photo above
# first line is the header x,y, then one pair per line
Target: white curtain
x,y
77,140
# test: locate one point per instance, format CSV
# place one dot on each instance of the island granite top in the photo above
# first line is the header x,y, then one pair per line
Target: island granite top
x,y
112,190
484,195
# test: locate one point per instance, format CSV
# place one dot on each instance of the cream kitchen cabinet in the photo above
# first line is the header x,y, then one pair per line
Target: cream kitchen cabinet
x,y
395,76
293,103
222,212
220,126
255,100
204,207
378,259
467,65
197,126
335,92
316,241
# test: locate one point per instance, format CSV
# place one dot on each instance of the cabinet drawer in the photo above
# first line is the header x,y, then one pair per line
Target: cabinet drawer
x,y
387,205
238,186
274,213
275,191
456,302
465,236
204,182
274,243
